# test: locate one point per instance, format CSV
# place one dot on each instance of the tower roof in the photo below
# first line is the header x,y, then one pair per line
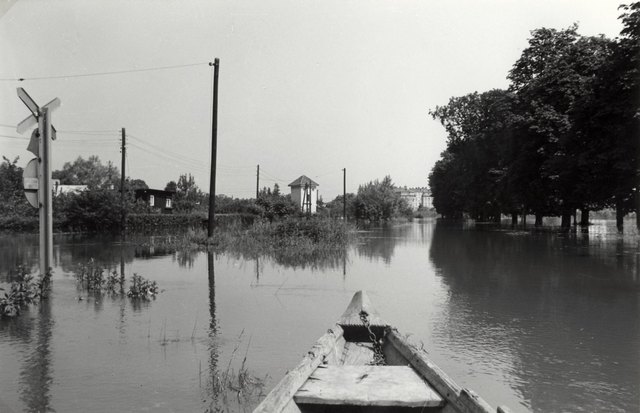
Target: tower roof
x,y
302,181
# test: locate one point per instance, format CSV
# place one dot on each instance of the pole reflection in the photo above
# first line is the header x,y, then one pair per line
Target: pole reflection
x,y
36,377
213,330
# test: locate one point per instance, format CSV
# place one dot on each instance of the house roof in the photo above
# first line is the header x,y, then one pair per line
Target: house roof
x,y
158,192
302,181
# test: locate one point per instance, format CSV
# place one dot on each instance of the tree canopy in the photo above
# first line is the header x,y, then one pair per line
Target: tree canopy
x,y
564,136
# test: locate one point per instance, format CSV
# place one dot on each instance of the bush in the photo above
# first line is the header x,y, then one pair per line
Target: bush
x,y
142,288
146,222
97,209
379,201
23,290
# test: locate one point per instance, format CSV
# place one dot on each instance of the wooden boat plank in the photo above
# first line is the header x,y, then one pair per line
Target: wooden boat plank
x,y
357,354
282,394
367,386
360,302
461,400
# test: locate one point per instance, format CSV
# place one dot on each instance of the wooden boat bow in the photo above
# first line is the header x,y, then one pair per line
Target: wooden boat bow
x,y
342,371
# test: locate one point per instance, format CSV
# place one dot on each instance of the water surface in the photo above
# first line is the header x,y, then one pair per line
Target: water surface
x,y
535,321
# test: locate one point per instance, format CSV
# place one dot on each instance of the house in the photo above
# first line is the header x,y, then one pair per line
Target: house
x,y
157,199
304,193
416,197
66,189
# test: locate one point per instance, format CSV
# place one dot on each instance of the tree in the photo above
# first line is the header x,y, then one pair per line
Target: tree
x,y
379,201
275,205
10,178
553,78
188,196
171,186
90,172
15,211
133,184
472,177
615,118
93,210
335,207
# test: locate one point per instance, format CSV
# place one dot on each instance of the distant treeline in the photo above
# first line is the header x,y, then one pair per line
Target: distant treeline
x,y
100,206
564,136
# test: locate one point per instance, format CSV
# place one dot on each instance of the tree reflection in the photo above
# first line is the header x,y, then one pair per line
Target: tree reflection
x,y
17,249
548,309
381,242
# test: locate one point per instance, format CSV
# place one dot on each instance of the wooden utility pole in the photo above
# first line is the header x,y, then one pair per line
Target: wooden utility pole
x,y
344,194
257,182
123,212
214,148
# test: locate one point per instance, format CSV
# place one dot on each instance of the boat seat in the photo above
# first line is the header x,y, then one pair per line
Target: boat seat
x,y
367,386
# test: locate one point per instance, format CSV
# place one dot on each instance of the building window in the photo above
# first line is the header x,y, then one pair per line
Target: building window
x,y
168,202
151,200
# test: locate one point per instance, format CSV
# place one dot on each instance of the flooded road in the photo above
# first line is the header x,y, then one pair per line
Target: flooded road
x,y
535,321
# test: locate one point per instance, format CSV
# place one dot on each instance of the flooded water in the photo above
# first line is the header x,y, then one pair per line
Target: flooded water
x,y
534,321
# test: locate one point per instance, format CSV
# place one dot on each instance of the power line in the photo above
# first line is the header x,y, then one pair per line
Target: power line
x,y
143,141
89,133
14,137
166,156
171,158
80,141
115,72
271,175
328,173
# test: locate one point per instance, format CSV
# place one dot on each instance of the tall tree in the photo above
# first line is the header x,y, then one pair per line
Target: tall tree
x,y
379,201
554,74
90,172
480,133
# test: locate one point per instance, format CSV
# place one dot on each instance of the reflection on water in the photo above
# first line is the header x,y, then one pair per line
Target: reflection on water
x,y
212,332
549,309
539,321
36,376
379,243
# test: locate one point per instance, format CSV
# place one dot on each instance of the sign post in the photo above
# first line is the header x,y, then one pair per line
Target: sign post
x,y
37,174
45,194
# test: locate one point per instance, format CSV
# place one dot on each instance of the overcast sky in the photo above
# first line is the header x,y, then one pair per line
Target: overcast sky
x,y
306,86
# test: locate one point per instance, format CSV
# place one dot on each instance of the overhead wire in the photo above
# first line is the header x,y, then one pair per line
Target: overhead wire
x,y
107,73
14,137
146,142
168,157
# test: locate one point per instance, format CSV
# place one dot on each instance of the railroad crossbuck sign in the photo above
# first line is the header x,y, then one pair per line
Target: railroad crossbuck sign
x,y
37,174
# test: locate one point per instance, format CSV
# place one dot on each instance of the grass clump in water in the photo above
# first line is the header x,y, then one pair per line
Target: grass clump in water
x,y
233,390
142,288
91,277
294,242
23,290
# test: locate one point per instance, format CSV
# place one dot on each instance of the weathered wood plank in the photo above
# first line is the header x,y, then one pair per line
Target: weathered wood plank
x,y
335,356
282,394
360,302
367,386
357,354
462,400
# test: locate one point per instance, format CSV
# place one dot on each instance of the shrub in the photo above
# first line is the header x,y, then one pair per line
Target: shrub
x,y
142,288
23,290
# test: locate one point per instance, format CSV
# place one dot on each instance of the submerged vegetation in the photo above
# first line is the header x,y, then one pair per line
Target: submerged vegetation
x,y
24,289
91,277
231,388
293,242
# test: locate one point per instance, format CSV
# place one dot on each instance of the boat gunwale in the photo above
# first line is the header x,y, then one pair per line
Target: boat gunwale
x,y
457,398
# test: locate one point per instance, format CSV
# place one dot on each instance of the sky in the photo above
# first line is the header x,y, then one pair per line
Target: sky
x,y
306,86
